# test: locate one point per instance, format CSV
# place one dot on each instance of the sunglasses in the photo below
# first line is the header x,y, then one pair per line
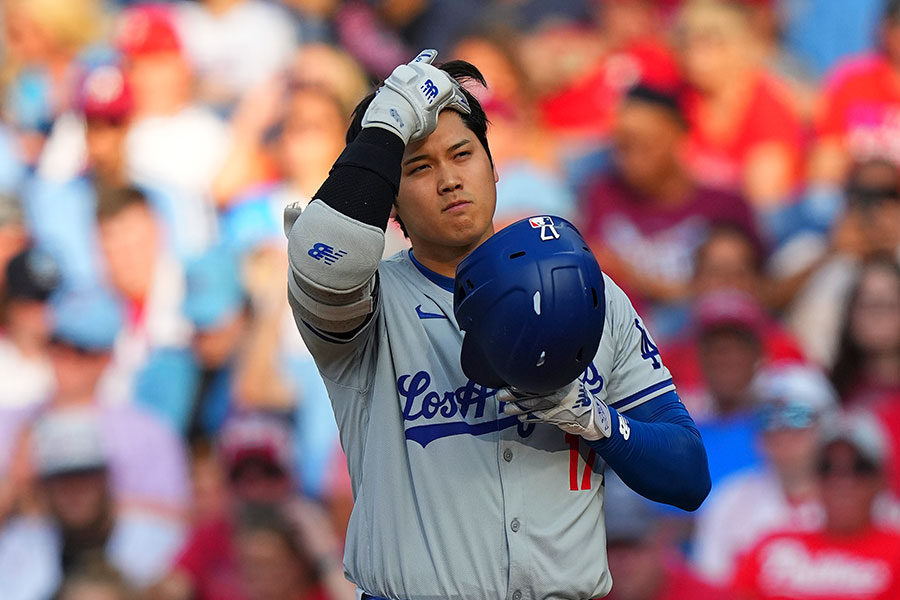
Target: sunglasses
x,y
785,416
859,468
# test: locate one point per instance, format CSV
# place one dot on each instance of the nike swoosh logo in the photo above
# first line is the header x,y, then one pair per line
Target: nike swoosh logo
x,y
428,315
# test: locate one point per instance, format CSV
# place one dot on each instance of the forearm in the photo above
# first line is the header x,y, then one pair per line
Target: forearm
x,y
259,382
658,452
364,180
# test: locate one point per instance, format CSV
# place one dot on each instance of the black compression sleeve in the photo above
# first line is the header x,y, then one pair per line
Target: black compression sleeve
x,y
365,178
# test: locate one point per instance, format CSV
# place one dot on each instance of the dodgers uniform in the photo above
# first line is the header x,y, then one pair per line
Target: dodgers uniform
x,y
453,499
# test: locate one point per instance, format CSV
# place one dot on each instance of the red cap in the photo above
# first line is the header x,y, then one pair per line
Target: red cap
x,y
147,29
729,309
104,94
261,436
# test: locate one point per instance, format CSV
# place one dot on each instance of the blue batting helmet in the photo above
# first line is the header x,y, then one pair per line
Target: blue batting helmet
x,y
531,301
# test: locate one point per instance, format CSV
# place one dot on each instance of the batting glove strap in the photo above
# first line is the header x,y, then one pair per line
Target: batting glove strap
x,y
412,97
573,409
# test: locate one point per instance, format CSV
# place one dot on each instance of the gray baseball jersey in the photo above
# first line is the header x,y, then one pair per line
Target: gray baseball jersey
x,y
454,500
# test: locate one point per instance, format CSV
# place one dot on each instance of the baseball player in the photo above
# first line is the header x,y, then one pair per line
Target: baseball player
x,y
463,491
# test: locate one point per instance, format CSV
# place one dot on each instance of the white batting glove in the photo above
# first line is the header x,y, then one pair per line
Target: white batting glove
x,y
412,97
572,408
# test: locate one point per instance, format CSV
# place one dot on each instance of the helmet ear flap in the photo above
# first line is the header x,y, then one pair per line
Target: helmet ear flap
x,y
531,302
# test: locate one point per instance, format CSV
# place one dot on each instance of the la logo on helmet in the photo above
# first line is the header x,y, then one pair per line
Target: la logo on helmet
x,y
545,224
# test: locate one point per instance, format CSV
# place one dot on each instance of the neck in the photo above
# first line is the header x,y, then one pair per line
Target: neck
x,y
730,92
670,189
443,259
848,529
74,398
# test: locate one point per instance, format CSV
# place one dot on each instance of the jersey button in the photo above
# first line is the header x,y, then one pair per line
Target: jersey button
x,y
507,455
517,595
514,525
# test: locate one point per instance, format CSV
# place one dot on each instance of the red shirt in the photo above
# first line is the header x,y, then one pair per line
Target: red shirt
x,y
861,106
818,566
768,117
888,411
588,105
209,558
679,584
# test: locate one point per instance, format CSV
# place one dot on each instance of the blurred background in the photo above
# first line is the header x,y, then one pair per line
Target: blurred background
x,y
164,432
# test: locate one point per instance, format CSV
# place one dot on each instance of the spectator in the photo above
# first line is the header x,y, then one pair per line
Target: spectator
x,y
744,133
233,46
26,378
582,80
255,450
147,466
43,41
867,368
271,560
646,219
727,259
860,106
13,233
729,334
794,402
147,461
643,560
236,343
60,210
216,306
523,153
848,557
95,581
83,520
869,227
172,142
330,67
151,354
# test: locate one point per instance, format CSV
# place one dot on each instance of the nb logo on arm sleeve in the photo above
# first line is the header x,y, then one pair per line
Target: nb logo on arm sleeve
x,y
321,251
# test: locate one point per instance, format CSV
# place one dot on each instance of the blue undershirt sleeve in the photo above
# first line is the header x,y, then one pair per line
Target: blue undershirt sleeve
x,y
657,451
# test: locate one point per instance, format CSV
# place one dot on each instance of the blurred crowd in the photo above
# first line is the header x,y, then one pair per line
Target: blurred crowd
x,y
735,166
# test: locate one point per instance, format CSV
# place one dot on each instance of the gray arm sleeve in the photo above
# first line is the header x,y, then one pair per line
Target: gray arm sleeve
x,y
333,259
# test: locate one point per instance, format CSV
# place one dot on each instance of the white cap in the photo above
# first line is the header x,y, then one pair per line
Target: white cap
x,y
863,431
66,441
786,387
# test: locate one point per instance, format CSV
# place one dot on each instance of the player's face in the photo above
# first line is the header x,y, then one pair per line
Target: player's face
x,y
447,190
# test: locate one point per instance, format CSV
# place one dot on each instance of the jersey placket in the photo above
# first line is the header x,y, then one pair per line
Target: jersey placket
x,y
510,457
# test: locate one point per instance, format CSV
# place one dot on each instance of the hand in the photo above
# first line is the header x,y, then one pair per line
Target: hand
x,y
412,97
572,408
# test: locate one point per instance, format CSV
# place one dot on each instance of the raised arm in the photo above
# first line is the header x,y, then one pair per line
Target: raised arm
x,y
336,244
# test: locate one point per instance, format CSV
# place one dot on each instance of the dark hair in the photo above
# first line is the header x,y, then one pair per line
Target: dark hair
x,y
664,100
476,121
271,518
849,359
732,229
111,201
